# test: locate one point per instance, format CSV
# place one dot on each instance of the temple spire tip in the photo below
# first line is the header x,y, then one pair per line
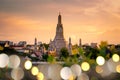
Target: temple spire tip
x,y
59,13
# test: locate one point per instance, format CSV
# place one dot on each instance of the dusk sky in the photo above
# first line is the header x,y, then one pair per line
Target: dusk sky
x,y
90,20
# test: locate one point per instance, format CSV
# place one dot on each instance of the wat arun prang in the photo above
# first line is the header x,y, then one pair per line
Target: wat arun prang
x,y
59,41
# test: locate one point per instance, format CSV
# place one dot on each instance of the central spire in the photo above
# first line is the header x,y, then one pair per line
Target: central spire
x,y
59,18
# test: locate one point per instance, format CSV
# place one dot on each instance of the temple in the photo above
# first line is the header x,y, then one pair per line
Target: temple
x,y
59,42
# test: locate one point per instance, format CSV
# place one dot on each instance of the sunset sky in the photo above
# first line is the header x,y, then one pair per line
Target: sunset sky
x,y
90,20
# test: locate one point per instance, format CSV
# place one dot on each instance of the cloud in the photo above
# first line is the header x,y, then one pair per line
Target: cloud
x,y
81,18
41,7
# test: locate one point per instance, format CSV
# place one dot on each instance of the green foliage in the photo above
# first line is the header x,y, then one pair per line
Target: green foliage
x,y
103,44
45,57
46,46
64,53
103,52
51,59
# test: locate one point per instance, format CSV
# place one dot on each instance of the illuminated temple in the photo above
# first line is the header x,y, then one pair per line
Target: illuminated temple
x,y
59,41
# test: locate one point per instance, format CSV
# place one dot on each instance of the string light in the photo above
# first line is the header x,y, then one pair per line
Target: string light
x,y
34,71
100,60
118,68
14,61
40,76
115,57
28,65
76,69
4,60
85,66
66,73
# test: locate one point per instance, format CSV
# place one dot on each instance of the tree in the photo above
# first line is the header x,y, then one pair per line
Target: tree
x,y
64,52
46,46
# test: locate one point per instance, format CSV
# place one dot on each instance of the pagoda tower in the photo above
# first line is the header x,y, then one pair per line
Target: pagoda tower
x,y
59,42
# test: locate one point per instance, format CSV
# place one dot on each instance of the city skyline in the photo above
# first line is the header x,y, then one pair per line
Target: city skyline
x,y
90,20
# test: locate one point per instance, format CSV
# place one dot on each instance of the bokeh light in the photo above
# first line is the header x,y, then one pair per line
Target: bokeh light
x,y
40,76
72,77
83,76
34,71
14,61
99,69
112,65
65,73
4,60
118,68
17,73
85,66
54,71
106,71
115,57
28,65
100,60
76,69
44,69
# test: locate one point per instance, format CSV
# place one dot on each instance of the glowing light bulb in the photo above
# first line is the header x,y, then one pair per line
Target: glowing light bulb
x,y
115,58
85,66
34,71
118,68
83,76
100,60
71,77
66,73
14,61
53,68
40,76
28,65
76,69
4,60
99,69
17,73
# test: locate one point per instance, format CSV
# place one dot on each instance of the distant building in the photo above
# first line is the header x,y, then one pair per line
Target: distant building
x,y
22,43
21,49
94,45
6,43
35,44
70,47
80,43
59,42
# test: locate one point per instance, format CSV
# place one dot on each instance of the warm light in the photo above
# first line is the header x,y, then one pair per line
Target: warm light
x,y
65,73
112,65
118,68
40,76
100,60
34,71
4,60
28,65
71,77
14,61
1,48
99,69
85,66
106,71
52,69
76,69
83,76
115,57
17,73
44,69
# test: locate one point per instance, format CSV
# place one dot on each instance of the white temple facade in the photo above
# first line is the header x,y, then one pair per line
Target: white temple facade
x,y
59,41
